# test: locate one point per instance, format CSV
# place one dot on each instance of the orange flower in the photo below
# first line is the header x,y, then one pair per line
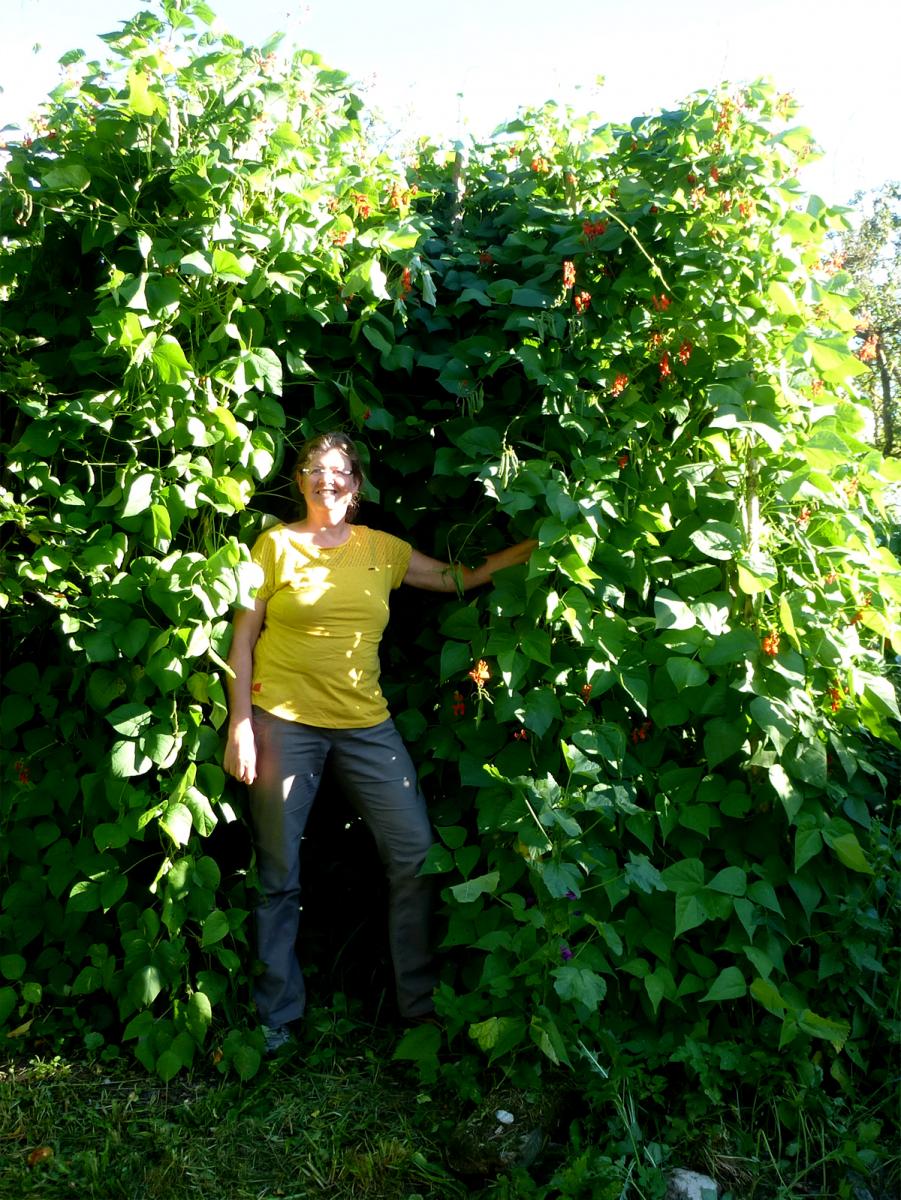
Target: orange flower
x,y
569,273
520,735
586,692
340,238
582,300
867,352
655,339
665,368
593,229
480,673
770,643
540,165
661,303
362,205
406,281
623,461
459,707
685,352
486,257
619,385
640,732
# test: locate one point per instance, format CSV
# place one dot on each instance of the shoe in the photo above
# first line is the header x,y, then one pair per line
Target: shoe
x,y
275,1037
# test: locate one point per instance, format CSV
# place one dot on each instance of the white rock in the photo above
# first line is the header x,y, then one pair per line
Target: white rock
x,y
689,1185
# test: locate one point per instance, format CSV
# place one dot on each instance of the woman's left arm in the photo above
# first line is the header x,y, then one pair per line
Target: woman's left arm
x,y
436,576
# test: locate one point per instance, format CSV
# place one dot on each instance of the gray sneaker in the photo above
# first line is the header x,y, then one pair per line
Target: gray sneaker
x,y
275,1037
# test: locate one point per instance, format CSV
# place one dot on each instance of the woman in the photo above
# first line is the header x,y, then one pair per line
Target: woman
x,y
306,688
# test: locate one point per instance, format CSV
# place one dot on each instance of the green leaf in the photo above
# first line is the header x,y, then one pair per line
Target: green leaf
x,y
732,881
686,673
419,1044
176,820
729,985
808,844
169,359
848,851
730,647
560,878
456,660
670,612
772,719
141,99
138,494
145,985
199,1015
127,761
722,739
542,709
465,893
12,966
69,177
767,994
717,540
689,913
792,799
168,1065
129,719
685,877
580,984
215,928
547,1037
836,1032
757,575
497,1036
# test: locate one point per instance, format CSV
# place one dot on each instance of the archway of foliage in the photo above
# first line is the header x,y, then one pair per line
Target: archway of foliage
x,y
662,801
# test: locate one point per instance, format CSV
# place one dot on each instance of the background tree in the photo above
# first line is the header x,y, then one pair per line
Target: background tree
x,y
871,254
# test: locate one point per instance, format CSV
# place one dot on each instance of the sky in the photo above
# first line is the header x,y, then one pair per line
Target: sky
x,y
465,66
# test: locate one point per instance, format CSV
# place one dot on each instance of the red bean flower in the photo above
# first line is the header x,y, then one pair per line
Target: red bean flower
x,y
620,383
569,273
582,300
480,673
770,644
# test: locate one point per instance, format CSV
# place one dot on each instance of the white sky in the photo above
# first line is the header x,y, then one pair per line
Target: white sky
x,y
443,69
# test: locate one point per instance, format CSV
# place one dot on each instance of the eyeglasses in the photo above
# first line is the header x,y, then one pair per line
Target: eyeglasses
x,y
321,472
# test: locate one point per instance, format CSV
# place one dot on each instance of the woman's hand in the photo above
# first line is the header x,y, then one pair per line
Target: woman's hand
x,y
240,758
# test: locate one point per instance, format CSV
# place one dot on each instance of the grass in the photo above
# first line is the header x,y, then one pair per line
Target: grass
x,y
333,1123
339,1119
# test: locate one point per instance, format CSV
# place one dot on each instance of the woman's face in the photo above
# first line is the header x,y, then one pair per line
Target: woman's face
x,y
327,483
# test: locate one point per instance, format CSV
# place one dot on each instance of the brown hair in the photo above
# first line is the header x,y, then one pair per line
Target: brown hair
x,y
334,440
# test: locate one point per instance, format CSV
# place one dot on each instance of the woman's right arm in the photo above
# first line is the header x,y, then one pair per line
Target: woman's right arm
x,y
240,750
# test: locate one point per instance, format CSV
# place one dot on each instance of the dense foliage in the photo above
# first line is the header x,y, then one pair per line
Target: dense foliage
x,y
660,757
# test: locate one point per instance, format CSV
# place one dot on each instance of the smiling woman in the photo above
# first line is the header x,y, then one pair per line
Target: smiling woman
x,y
305,689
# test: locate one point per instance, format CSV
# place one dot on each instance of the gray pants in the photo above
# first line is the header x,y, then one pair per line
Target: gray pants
x,y
378,776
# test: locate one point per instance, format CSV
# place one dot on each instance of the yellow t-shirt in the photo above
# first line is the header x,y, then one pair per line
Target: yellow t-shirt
x,y
317,657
